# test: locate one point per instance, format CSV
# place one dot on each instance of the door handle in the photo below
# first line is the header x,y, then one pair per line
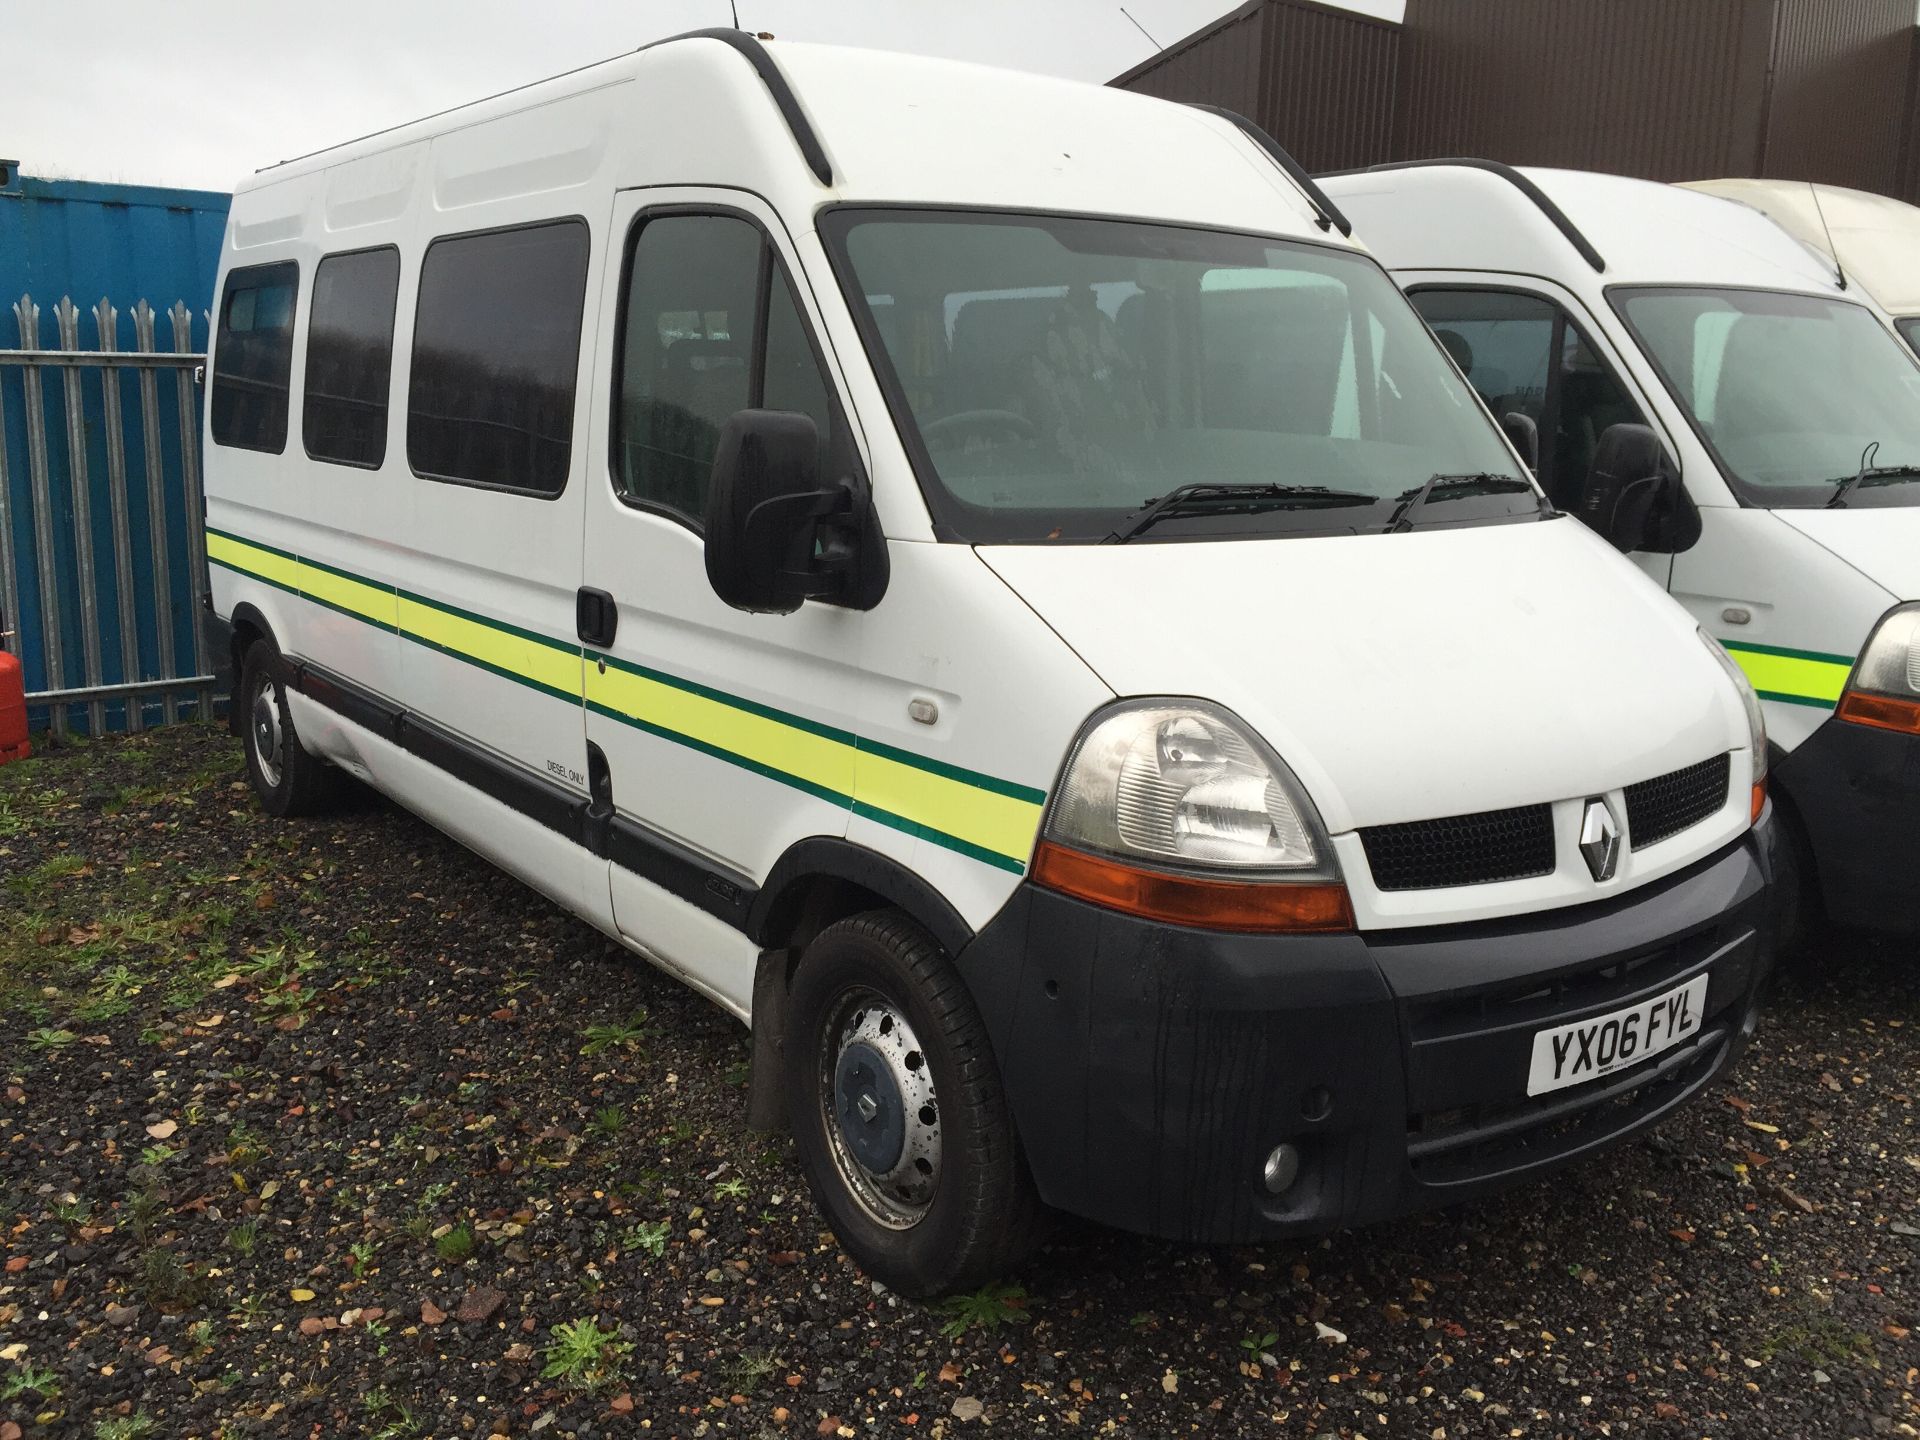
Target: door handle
x,y
596,618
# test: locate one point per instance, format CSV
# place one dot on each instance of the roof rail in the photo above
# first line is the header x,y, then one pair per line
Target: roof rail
x,y
1519,182
748,46
1329,213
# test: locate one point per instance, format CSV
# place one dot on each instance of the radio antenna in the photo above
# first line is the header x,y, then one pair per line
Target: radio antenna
x,y
734,6
1839,270
1143,30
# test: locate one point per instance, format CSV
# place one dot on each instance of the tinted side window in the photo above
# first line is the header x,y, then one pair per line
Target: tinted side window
x,y
711,327
496,347
1524,356
350,357
252,356
1911,329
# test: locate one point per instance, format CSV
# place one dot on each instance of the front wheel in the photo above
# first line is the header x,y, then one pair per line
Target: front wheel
x,y
897,1108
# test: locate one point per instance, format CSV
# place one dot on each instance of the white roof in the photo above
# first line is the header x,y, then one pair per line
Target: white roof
x,y
1878,238
896,129
1458,217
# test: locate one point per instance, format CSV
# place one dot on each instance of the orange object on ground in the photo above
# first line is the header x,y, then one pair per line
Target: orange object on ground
x,y
13,711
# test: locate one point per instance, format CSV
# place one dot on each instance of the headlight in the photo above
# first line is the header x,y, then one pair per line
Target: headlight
x,y
1756,721
1885,689
1179,783
1172,810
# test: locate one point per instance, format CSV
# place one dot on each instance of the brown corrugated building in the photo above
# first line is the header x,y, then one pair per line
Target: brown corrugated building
x,y
1665,89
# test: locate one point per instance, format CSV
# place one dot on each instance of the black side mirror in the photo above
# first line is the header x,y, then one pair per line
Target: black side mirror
x,y
1633,499
777,535
1525,436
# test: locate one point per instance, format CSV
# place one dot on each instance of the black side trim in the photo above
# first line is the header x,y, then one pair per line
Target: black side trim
x,y
776,905
587,821
756,55
1321,201
679,871
1519,182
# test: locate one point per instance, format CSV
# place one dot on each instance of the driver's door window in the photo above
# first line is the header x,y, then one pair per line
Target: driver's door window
x,y
710,328
1525,356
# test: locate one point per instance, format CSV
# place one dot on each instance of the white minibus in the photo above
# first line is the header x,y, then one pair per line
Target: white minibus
x,y
1707,393
1873,239
981,577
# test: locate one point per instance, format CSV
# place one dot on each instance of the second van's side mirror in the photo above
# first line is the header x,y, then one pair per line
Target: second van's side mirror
x,y
777,533
1633,499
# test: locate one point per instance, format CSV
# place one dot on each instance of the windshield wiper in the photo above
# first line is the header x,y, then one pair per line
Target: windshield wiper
x,y
1485,481
1868,471
1232,499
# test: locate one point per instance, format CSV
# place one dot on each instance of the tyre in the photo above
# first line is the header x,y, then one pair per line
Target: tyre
x,y
1796,902
898,1113
289,781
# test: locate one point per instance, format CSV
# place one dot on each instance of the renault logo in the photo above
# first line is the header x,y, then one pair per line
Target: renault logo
x,y
1600,840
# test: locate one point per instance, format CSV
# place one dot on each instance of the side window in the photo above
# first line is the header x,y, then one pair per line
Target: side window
x,y
496,350
1911,330
252,357
350,357
710,328
1526,357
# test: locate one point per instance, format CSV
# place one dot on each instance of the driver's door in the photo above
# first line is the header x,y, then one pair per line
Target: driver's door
x,y
715,732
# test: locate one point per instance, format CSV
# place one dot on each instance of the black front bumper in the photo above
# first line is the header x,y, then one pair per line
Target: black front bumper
x,y
1856,788
1151,1069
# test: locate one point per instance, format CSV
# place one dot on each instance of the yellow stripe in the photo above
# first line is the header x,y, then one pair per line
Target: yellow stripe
x,y
999,823
816,759
378,605
264,563
534,660
1789,675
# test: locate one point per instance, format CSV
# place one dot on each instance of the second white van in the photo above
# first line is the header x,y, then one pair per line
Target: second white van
x,y
981,577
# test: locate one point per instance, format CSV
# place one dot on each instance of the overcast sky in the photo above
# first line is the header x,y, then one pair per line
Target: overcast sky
x,y
201,92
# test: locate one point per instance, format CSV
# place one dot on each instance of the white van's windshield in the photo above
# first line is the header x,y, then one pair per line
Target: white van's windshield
x,y
1799,397
1053,375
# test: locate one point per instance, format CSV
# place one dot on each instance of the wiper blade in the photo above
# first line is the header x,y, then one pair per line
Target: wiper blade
x,y
1847,484
1245,499
1484,481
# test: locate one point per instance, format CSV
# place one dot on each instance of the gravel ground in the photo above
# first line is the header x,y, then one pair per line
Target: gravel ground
x,y
328,1129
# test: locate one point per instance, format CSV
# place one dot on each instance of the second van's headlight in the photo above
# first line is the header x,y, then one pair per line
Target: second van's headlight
x,y
1183,784
1884,691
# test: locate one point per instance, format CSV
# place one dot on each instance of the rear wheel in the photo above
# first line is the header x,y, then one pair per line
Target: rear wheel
x,y
288,780
898,1112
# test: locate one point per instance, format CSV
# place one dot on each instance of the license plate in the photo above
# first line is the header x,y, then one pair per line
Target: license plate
x,y
1587,1049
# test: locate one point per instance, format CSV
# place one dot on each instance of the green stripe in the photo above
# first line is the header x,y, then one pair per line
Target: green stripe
x,y
1784,699
978,779
1785,653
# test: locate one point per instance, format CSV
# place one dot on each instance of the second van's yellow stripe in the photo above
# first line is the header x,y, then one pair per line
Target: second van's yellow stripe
x,y
1794,677
1000,823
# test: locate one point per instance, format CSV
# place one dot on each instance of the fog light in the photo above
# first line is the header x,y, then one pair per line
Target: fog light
x,y
1282,1169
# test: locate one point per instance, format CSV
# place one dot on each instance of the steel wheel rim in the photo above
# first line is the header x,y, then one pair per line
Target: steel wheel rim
x,y
874,1080
263,723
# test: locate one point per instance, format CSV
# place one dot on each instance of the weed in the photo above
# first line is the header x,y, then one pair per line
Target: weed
x,y
744,1373
650,1236
988,1308
1823,1342
49,1038
156,1155
166,1283
396,1421
456,1245
44,1383
607,1121
137,1426
361,1254
583,1355
200,1334
243,1237
1257,1345
626,1035
732,1188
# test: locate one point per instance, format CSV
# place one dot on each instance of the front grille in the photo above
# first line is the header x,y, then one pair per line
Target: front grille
x,y
1668,804
1461,849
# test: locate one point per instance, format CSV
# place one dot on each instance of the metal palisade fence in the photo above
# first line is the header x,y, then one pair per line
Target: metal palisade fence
x,y
102,552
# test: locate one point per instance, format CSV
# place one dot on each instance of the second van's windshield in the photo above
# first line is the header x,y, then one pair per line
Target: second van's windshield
x,y
1059,373
1799,397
